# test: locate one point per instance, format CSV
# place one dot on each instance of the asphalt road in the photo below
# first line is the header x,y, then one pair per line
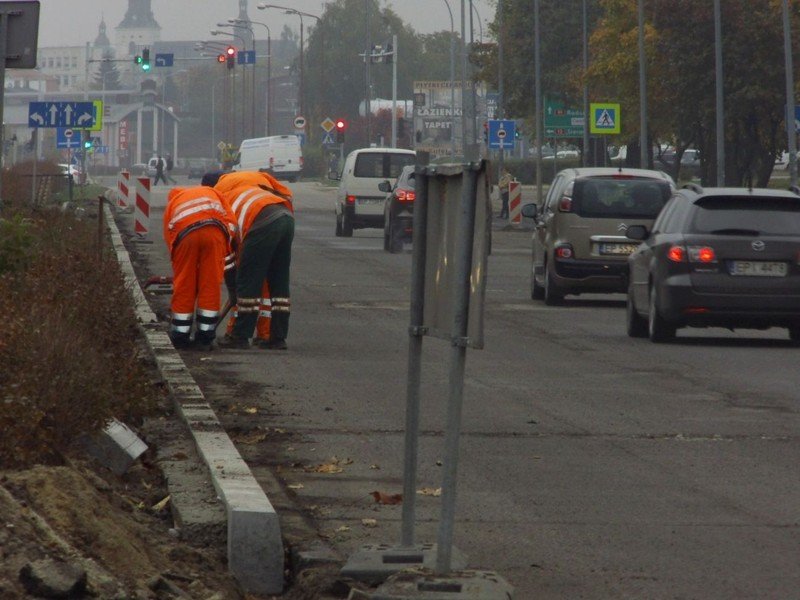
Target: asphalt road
x,y
591,465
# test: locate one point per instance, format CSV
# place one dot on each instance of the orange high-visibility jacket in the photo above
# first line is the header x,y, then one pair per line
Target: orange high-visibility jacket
x,y
250,191
190,208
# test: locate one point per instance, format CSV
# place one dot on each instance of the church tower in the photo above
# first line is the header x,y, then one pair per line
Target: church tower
x,y
137,29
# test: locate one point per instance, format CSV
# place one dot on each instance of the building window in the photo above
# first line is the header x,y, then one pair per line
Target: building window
x,y
74,62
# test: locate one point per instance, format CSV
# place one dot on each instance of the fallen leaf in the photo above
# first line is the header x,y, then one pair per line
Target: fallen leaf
x,y
251,410
327,468
369,522
295,486
430,491
159,506
253,437
375,467
382,498
343,528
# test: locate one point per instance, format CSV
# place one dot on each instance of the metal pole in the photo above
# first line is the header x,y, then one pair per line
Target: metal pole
x,y
473,96
368,62
586,140
539,116
394,91
3,50
302,83
500,88
642,92
452,82
464,136
415,335
791,133
269,82
458,359
719,93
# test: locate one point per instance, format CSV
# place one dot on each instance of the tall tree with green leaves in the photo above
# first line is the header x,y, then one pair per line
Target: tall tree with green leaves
x,y
107,75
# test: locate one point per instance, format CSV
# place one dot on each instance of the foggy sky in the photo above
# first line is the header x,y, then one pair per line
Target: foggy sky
x,y
75,22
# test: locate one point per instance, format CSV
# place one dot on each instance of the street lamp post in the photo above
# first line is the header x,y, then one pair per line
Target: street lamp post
x,y
642,92
269,71
719,94
791,133
229,91
301,14
242,24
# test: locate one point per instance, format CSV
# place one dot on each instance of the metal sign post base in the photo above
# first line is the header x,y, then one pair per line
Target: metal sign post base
x,y
461,585
374,563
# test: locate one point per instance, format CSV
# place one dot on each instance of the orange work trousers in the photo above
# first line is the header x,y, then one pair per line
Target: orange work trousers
x,y
198,262
264,315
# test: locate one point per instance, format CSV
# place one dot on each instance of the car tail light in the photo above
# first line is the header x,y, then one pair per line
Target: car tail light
x,y
565,204
405,195
564,251
621,176
695,310
301,162
702,254
350,199
677,254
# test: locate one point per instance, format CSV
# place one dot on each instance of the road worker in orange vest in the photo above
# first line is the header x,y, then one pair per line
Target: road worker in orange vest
x,y
264,317
265,217
200,232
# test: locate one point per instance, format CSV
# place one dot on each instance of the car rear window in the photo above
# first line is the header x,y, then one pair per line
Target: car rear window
x,y
760,215
386,165
620,198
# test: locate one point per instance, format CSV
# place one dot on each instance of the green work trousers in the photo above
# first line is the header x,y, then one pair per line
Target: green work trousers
x,y
266,254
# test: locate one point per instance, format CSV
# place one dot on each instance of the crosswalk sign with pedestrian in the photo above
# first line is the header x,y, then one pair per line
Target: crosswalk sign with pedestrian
x,y
605,118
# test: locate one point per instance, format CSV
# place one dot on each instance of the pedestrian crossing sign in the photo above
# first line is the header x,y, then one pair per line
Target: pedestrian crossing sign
x,y
605,118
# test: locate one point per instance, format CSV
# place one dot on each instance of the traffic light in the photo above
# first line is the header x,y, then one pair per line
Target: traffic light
x,y
88,144
221,58
517,133
485,132
230,56
146,59
138,60
341,127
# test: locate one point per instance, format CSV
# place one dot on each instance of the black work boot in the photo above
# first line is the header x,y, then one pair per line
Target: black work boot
x,y
229,342
273,344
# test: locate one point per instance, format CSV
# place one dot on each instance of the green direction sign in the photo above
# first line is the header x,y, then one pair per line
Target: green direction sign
x,y
561,121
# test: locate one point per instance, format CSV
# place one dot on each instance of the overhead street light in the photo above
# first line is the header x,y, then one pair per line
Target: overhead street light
x,y
269,65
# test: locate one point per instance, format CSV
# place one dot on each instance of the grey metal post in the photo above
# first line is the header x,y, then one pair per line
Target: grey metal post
x,y
394,91
791,134
585,85
3,50
464,136
452,81
719,93
539,115
415,335
458,359
368,64
501,113
642,92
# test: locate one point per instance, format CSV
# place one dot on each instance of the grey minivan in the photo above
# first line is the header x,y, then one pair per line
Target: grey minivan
x,y
579,243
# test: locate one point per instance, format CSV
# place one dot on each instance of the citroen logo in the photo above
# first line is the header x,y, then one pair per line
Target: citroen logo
x,y
622,227
758,245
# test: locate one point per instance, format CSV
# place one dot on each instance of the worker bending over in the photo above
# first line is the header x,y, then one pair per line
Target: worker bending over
x,y
265,217
200,233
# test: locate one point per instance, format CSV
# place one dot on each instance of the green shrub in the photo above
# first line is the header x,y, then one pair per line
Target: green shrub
x,y
16,241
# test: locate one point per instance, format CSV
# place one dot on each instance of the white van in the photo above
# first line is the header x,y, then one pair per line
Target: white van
x,y
359,201
278,155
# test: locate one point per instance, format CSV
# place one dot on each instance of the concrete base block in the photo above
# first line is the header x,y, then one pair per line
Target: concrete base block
x,y
255,548
459,585
374,563
116,447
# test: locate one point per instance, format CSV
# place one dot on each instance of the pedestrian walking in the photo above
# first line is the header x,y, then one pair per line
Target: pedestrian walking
x,y
200,232
160,164
265,217
170,164
505,180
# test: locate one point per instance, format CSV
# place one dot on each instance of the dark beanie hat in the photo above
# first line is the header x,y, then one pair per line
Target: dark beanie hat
x,y
211,178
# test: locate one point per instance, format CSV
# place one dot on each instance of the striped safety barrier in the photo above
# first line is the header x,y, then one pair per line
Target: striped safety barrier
x,y
123,183
515,202
142,207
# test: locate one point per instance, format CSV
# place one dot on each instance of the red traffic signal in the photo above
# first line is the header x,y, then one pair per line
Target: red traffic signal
x,y
221,58
341,124
230,51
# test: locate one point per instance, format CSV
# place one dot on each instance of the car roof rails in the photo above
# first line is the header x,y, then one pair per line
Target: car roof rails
x,y
795,190
695,187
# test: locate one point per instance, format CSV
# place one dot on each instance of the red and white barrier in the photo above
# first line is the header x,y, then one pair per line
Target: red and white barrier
x,y
515,202
142,207
123,183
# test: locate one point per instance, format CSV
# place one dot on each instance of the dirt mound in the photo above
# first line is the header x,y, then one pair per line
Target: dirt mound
x,y
119,530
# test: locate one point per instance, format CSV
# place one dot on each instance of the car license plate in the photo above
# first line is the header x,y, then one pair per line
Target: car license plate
x,y
759,268
370,200
614,249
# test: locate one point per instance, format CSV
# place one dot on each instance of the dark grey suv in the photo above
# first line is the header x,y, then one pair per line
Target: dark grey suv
x,y
724,257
